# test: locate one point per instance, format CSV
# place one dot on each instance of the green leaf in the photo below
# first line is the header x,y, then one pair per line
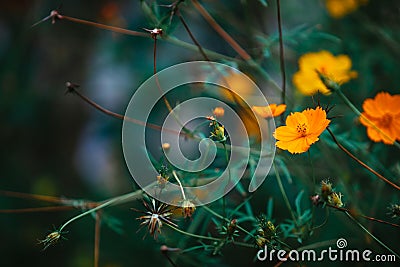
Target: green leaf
x,y
263,2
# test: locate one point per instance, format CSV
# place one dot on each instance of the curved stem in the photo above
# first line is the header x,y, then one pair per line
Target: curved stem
x,y
113,201
192,235
221,31
371,235
362,163
180,184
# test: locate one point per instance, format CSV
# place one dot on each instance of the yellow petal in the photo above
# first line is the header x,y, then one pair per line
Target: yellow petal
x,y
296,146
295,119
286,133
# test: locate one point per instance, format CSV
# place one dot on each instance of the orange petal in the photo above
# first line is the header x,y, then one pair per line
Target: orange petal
x,y
279,110
296,146
286,133
296,118
263,111
317,120
371,108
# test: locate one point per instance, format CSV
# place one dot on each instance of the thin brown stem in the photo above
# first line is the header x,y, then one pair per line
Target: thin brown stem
x,y
32,196
355,214
167,104
41,209
103,26
362,163
242,53
192,37
119,116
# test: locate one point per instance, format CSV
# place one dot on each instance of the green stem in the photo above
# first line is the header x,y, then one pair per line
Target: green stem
x,y
229,179
371,235
285,198
312,189
192,235
225,219
113,201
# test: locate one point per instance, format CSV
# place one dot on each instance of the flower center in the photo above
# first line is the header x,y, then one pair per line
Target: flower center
x,y
302,129
386,120
323,70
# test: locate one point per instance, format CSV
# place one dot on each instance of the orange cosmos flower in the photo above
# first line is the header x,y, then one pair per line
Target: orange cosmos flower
x,y
381,116
302,130
273,110
340,8
335,68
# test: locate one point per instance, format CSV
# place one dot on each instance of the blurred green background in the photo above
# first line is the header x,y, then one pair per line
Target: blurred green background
x,y
55,144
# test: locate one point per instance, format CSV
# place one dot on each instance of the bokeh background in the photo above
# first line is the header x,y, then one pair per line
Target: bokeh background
x,y
55,144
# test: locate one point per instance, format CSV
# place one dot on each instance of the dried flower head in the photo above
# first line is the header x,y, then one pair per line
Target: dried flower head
x,y
326,189
260,241
156,214
394,210
334,68
163,177
381,116
161,181
52,239
229,229
335,199
188,208
265,227
302,130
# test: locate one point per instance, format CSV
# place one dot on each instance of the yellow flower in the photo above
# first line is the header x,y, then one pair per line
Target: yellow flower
x,y
301,130
273,110
340,8
381,116
239,87
335,68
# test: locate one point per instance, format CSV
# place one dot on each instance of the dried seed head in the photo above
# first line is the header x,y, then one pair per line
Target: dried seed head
x,y
326,189
51,239
188,208
394,210
155,215
335,199
260,241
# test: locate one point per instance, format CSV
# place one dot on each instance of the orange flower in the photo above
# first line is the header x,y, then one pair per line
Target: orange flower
x,y
340,8
302,130
381,116
334,68
273,110
219,112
